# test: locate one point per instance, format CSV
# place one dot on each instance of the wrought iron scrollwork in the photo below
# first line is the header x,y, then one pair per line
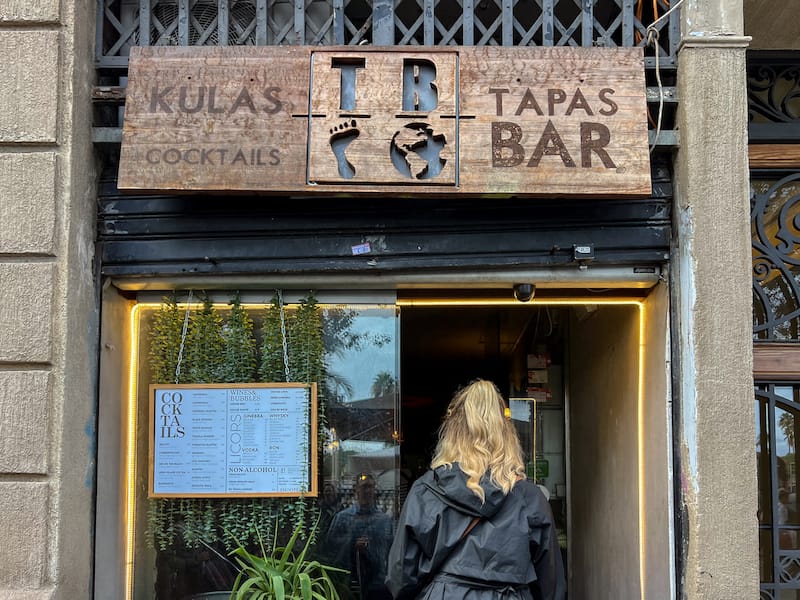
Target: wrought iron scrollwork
x,y
775,220
774,93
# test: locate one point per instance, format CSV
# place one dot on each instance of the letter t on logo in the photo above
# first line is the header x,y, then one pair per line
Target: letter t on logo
x,y
347,85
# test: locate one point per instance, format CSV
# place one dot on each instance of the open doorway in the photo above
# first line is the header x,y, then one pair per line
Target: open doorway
x,y
444,348
587,388
521,350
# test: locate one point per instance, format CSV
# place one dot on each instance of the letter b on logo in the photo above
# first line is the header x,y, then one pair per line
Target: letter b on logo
x,y
420,93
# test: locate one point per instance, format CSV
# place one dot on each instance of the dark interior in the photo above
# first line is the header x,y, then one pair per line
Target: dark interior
x,y
444,348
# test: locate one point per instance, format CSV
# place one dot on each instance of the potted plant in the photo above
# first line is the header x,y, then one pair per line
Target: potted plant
x,y
280,574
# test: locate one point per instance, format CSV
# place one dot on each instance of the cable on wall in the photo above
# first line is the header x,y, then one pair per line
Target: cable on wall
x,y
652,40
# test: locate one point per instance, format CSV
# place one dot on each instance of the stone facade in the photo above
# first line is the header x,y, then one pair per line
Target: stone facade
x,y
30,114
28,211
29,12
712,292
47,300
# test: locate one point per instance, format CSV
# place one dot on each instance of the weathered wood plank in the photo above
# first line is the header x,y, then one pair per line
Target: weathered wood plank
x,y
774,156
553,121
215,119
776,361
530,122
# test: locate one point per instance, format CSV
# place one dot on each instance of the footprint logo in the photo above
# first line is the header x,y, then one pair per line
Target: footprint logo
x,y
341,137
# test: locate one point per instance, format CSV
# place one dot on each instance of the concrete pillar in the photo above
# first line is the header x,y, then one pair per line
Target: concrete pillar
x,y
47,300
712,294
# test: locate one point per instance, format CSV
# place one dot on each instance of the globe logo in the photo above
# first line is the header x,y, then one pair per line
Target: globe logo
x,y
415,151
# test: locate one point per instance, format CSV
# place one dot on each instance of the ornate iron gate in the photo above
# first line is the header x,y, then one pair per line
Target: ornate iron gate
x,y
126,23
122,24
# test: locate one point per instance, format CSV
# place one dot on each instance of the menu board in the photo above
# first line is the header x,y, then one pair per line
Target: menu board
x,y
233,440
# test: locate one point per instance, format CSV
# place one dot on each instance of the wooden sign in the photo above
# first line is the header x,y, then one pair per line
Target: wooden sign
x,y
215,119
215,440
526,121
570,121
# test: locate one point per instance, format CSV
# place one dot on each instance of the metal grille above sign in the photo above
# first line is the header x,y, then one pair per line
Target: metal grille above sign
x,y
300,120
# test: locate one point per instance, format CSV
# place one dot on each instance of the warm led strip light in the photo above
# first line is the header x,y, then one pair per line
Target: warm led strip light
x,y
130,455
130,475
132,422
640,436
512,303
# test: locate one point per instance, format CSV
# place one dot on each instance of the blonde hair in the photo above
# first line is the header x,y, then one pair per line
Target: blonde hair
x,y
476,434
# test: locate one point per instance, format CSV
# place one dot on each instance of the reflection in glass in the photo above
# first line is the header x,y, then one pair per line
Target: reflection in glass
x,y
358,539
360,393
763,455
777,422
765,555
360,499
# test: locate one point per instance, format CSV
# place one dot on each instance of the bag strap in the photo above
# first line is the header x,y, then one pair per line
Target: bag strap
x,y
432,574
470,527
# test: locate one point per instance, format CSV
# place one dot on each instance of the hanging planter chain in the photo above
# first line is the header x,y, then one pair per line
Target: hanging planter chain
x,y
652,40
283,335
183,338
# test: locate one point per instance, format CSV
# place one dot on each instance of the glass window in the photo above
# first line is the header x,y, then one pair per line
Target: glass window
x,y
777,423
182,545
360,498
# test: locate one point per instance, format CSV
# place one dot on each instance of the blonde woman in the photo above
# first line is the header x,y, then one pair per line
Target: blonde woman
x,y
472,527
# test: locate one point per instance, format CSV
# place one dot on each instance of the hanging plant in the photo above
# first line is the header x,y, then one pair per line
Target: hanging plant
x,y
240,520
306,364
205,345
239,346
165,345
272,368
305,342
157,526
165,341
174,521
217,350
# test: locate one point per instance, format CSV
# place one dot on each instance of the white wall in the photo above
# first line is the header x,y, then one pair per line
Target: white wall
x,y
620,484
604,492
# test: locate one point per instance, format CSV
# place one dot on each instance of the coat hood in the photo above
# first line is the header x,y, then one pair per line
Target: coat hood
x,y
449,484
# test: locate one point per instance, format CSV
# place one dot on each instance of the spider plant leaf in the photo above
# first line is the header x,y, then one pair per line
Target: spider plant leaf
x,y
277,585
287,552
305,586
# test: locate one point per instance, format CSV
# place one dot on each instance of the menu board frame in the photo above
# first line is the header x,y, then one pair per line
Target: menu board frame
x,y
174,415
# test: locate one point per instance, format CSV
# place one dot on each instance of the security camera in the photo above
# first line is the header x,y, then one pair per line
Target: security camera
x,y
524,291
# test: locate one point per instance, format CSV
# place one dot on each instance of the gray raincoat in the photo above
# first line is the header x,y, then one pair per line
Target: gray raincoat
x,y
512,553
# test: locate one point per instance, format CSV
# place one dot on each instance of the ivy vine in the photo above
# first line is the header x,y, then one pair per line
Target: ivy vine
x,y
204,349
272,364
239,346
165,341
